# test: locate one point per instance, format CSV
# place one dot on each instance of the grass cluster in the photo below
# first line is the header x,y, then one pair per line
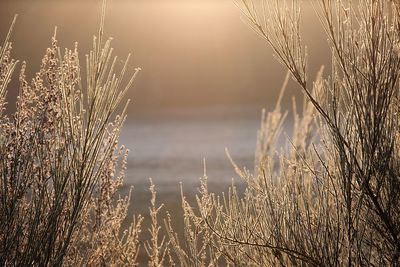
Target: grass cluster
x,y
329,197
61,164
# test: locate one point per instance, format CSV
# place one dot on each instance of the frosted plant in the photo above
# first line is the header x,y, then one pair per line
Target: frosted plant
x,y
330,197
61,164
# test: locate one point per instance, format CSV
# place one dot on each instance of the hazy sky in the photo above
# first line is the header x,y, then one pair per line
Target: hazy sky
x,y
192,52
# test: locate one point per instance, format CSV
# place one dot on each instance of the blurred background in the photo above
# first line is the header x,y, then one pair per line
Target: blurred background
x,y
206,76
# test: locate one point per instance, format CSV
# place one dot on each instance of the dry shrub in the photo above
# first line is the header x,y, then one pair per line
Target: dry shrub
x,y
61,164
330,197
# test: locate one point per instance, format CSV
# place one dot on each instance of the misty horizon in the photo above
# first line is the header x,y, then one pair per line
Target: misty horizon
x,y
192,53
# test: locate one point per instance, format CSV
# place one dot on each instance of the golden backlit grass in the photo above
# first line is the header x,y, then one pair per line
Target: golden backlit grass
x,y
328,197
